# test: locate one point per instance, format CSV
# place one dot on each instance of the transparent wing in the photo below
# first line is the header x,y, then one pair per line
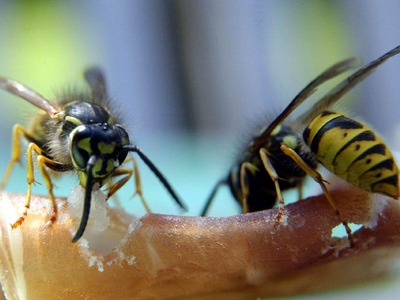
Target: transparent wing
x,y
330,73
29,95
342,88
96,80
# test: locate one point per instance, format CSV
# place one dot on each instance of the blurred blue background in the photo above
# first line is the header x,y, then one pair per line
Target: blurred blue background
x,y
195,79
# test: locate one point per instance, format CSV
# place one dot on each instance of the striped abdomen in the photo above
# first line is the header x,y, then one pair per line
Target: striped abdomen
x,y
353,152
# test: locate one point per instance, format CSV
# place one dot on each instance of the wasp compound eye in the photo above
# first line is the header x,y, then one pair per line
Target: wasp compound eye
x,y
122,134
80,146
124,140
122,156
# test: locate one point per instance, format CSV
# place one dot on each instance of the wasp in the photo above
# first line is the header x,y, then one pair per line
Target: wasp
x,y
78,133
285,152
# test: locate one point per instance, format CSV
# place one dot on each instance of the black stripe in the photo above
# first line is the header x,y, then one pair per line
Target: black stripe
x,y
376,149
307,131
327,113
306,134
94,143
363,136
67,127
386,164
103,171
392,180
104,158
58,167
340,122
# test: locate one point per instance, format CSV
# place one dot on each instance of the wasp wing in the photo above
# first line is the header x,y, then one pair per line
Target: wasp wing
x,y
96,80
305,93
29,95
342,88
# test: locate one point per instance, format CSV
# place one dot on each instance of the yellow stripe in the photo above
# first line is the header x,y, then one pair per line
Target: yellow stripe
x,y
98,171
360,167
370,177
387,189
85,145
330,144
73,120
344,160
317,123
106,148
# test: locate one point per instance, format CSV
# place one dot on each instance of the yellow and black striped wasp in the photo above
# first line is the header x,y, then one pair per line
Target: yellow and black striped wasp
x,y
78,133
280,157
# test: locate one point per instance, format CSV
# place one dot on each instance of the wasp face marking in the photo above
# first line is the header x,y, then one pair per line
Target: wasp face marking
x,y
103,141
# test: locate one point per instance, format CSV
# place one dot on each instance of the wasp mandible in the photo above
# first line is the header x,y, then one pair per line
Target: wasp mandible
x,y
280,157
78,133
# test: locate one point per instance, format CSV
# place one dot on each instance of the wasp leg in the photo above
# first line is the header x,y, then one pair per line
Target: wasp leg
x,y
42,163
300,188
112,182
318,178
211,196
121,182
244,168
18,131
274,176
115,186
115,197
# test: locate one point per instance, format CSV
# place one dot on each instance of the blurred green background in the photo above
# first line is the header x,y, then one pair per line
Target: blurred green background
x,y
194,79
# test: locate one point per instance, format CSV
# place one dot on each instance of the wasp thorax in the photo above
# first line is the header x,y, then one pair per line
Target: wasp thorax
x,y
283,135
103,141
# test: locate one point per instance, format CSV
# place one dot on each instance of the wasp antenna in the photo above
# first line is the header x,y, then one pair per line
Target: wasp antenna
x,y
95,78
158,174
212,195
87,203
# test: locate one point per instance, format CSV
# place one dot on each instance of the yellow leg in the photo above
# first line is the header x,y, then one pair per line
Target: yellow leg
x,y
274,176
115,186
318,178
115,197
121,182
18,131
112,182
42,162
300,190
244,187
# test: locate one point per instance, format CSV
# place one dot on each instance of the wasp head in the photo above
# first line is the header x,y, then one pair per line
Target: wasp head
x,y
102,141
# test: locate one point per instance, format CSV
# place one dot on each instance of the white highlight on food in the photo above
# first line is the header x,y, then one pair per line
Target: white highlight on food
x,y
16,244
98,217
